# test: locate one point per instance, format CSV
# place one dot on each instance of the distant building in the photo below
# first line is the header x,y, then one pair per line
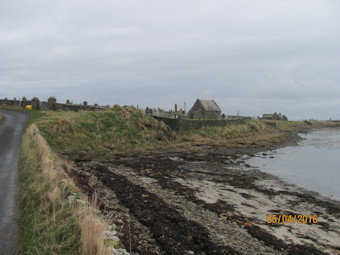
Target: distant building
x,y
205,109
274,116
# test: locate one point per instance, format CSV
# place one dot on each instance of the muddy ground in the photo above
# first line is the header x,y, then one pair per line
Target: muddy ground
x,y
207,201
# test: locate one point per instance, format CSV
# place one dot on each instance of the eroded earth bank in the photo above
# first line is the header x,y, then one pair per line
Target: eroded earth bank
x,y
207,202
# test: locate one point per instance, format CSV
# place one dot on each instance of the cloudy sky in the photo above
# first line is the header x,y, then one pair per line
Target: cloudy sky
x,y
250,56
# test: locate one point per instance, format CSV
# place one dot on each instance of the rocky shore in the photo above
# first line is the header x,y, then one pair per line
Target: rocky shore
x,y
207,201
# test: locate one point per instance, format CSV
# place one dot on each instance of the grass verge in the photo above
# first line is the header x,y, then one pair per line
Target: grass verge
x,y
35,115
49,224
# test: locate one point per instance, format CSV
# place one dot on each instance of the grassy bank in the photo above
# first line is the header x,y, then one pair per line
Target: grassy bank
x,y
49,224
86,135
127,131
251,133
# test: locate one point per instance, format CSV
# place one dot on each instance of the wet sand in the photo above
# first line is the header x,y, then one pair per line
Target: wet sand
x,y
208,202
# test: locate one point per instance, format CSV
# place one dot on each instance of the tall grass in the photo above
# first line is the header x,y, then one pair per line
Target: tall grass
x,y
49,225
92,232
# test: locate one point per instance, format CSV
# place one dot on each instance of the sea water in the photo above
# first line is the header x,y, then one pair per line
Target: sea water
x,y
313,164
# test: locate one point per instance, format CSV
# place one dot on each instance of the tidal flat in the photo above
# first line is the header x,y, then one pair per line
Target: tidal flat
x,y
208,201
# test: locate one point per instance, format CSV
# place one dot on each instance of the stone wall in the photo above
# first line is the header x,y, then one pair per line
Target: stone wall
x,y
172,123
185,124
9,102
71,107
51,105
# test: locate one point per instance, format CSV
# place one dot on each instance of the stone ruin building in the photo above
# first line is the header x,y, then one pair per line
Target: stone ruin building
x,y
205,109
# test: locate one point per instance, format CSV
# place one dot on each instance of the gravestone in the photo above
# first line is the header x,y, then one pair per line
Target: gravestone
x,y
36,103
52,103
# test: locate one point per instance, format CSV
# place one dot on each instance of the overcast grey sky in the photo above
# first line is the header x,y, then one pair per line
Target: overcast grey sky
x,y
251,56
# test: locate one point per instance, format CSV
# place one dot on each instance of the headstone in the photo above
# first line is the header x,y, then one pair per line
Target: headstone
x,y
52,103
35,103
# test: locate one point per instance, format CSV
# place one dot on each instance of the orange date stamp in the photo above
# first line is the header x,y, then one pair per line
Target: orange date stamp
x,y
296,218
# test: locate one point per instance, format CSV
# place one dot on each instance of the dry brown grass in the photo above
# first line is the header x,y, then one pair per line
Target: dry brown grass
x,y
92,232
47,162
55,196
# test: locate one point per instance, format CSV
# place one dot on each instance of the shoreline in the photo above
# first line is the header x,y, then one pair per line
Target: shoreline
x,y
290,178
213,187
191,195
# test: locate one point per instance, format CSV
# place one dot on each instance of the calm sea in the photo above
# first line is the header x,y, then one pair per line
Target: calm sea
x,y
313,164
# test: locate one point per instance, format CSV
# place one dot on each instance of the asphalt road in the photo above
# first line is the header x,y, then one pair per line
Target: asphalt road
x,y
12,126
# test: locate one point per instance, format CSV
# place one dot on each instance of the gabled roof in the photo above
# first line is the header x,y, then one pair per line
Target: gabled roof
x,y
209,105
